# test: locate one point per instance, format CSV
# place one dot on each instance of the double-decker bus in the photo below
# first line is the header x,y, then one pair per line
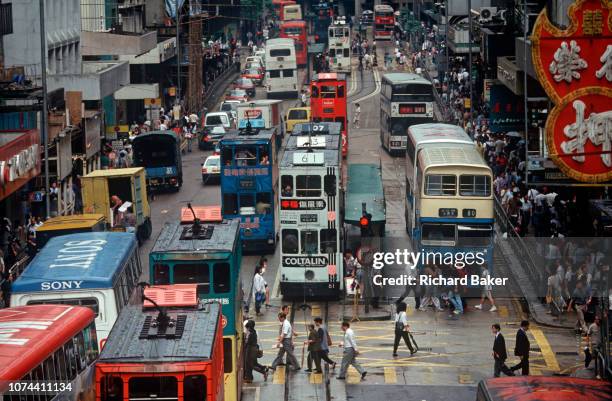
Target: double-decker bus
x,y
249,186
281,68
311,217
384,22
449,199
324,14
297,30
52,347
207,255
98,270
328,102
171,348
278,7
291,12
405,100
339,46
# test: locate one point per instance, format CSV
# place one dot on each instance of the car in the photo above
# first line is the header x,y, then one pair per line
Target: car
x,y
210,137
211,169
258,59
238,94
253,74
254,65
247,84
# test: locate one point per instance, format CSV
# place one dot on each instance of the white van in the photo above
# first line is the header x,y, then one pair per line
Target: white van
x,y
217,118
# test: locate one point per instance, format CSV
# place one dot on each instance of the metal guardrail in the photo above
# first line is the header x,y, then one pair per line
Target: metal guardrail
x,y
209,96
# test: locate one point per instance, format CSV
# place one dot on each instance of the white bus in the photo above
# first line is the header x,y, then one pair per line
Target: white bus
x,y
405,99
310,217
281,68
292,12
339,45
98,270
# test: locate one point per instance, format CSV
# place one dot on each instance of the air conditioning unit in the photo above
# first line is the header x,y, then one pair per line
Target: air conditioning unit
x,y
487,13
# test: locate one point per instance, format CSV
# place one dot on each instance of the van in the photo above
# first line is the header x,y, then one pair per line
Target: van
x,y
217,118
296,115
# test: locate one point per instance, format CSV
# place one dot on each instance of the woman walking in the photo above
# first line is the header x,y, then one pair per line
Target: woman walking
x,y
252,354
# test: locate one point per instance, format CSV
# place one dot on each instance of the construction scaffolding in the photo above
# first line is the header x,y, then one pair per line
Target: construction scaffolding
x,y
195,73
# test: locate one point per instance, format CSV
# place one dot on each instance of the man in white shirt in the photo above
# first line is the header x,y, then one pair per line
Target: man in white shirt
x,y
350,353
259,290
285,344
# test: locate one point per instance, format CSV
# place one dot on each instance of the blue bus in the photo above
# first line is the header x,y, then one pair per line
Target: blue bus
x,y
98,270
249,186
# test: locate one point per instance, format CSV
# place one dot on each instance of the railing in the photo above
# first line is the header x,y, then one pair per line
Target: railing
x,y
221,79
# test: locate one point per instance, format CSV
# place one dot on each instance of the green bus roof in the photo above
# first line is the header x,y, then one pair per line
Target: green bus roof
x,y
365,186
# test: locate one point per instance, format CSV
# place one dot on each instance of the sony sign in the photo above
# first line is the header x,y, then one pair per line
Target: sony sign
x,y
305,261
78,254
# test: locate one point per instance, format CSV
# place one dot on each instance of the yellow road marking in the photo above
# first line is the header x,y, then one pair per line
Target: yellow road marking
x,y
535,372
316,378
503,311
409,310
279,375
547,352
353,376
390,375
466,379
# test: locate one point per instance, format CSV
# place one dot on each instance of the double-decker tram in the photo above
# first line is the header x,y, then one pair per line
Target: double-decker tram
x,y
297,30
281,68
449,205
249,186
384,22
328,102
47,352
98,270
171,348
339,46
324,14
206,253
405,99
311,216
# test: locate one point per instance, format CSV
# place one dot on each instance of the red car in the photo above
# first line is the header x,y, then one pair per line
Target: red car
x,y
253,74
246,84
237,94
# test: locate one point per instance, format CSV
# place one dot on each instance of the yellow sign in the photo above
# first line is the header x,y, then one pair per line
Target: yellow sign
x,y
467,103
152,102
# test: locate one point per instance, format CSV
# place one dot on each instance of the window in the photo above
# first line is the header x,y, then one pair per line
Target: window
x,y
328,92
298,114
227,157
288,73
475,185
246,156
328,240
112,388
340,91
308,185
263,203
50,373
194,388
280,52
91,343
151,388
347,53
342,122
228,364
290,240
474,235
438,234
440,185
286,185
274,73
161,274
91,303
193,273
60,364
230,204
247,200
81,356
329,183
315,92
310,241
215,120
70,360
222,278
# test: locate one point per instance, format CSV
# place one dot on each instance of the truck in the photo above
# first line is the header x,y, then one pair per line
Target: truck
x,y
268,110
159,153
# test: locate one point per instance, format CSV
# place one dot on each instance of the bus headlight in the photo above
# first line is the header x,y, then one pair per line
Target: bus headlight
x,y
309,275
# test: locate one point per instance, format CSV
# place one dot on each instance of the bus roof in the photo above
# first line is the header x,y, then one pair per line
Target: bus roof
x,y
221,237
133,338
365,185
382,7
437,133
235,137
77,261
115,172
36,332
72,222
329,76
545,388
442,156
163,134
397,78
279,42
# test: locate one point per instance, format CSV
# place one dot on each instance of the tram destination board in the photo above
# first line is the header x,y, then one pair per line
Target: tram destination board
x,y
308,218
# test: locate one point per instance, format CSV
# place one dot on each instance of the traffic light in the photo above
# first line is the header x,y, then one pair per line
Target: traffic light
x,y
365,223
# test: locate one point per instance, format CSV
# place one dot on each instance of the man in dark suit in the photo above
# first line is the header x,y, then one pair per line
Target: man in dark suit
x,y
521,348
499,352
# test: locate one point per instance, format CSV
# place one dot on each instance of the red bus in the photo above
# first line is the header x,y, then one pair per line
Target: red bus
x,y
279,5
328,102
384,22
53,345
171,348
297,31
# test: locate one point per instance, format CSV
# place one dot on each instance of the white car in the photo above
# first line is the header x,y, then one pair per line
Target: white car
x,y
211,169
256,59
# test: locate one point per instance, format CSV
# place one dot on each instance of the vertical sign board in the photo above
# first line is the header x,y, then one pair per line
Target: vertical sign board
x,y
506,109
574,66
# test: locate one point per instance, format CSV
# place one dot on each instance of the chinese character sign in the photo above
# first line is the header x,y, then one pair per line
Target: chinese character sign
x,y
574,66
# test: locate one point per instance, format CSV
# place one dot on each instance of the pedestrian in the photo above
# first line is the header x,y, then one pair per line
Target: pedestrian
x,y
499,352
259,290
594,345
252,354
356,115
579,302
486,291
521,348
325,340
314,349
402,329
304,99
350,353
285,344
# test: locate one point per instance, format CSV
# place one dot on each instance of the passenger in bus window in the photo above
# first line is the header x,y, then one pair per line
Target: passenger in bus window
x,y
287,191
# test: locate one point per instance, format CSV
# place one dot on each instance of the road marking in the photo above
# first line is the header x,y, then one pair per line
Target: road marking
x,y
535,372
316,378
353,376
257,393
503,311
279,375
545,348
390,375
465,379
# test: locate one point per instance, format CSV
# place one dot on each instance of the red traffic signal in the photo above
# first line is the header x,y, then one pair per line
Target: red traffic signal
x,y
364,222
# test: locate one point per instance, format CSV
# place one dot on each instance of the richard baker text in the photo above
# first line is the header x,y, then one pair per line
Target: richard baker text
x,y
428,280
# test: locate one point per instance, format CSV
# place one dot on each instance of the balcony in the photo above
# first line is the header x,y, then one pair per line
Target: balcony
x,y
106,43
97,80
